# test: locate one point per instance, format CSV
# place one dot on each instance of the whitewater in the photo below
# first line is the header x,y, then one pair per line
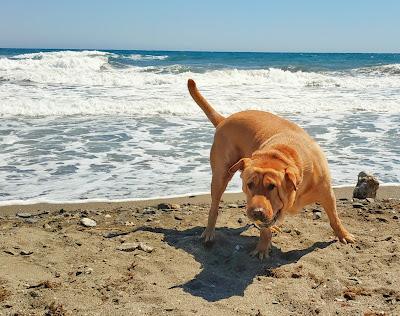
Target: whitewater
x,y
120,124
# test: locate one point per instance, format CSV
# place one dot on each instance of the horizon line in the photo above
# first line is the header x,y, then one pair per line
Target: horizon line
x,y
205,51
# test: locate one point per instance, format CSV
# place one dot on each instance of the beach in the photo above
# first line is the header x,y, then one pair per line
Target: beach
x,y
146,258
103,155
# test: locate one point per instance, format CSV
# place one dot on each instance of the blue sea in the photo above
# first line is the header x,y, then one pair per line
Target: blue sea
x,y
116,124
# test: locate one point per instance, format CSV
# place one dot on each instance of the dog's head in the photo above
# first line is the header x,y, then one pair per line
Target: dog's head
x,y
270,182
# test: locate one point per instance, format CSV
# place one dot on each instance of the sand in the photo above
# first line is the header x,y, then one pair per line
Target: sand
x,y
140,260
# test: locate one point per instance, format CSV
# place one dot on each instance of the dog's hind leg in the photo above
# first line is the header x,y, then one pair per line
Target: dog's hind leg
x,y
329,204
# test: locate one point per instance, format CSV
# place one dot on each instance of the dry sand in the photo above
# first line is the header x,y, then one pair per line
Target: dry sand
x,y
52,265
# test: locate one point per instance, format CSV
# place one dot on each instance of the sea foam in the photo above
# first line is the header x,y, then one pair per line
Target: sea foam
x,y
86,83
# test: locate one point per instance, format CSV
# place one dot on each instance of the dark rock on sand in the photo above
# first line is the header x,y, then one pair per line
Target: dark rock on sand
x,y
366,187
24,215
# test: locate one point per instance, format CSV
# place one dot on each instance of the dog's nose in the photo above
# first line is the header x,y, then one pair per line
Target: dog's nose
x,y
258,214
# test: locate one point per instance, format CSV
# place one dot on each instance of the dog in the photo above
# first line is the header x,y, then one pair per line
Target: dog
x,y
282,169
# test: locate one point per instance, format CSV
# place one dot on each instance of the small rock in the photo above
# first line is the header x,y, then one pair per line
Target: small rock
x,y
149,211
128,247
240,220
343,199
89,271
316,215
175,206
233,205
107,216
297,232
383,220
366,187
47,226
178,217
275,302
87,222
24,215
129,224
9,252
287,230
355,279
237,247
25,252
370,200
34,294
349,295
114,234
164,206
31,221
145,247
357,205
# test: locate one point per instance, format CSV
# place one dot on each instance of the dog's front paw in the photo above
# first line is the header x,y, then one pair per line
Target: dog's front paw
x,y
262,251
345,237
261,254
208,235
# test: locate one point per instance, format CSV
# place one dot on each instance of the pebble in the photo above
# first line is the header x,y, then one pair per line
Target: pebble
x,y
175,206
370,200
164,206
25,252
145,247
128,247
87,222
149,211
24,215
240,220
114,234
233,205
316,215
178,217
107,216
355,279
357,205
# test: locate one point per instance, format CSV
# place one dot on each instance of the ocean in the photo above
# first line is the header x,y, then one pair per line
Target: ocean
x,y
116,125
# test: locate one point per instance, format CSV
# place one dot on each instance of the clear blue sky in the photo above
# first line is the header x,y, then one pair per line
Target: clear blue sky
x,y
216,25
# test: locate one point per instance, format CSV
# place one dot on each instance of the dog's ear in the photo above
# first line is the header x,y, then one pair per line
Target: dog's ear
x,y
240,165
292,176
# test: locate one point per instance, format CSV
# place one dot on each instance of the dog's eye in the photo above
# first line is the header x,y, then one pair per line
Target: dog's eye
x,y
270,187
250,185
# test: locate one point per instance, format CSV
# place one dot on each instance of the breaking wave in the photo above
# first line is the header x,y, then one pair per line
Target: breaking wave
x,y
88,83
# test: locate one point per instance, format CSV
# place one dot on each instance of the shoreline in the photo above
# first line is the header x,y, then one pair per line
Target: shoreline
x,y
384,192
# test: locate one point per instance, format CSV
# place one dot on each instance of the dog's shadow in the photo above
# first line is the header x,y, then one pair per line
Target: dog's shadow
x,y
227,268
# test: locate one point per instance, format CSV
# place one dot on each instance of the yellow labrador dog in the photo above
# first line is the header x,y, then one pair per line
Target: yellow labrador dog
x,y
282,168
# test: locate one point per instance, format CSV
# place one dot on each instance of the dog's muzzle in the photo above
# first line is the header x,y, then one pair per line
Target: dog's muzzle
x,y
263,224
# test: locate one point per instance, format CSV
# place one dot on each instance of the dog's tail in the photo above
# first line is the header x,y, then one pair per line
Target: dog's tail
x,y
212,115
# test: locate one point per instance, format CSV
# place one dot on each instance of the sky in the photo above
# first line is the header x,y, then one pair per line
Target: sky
x,y
205,25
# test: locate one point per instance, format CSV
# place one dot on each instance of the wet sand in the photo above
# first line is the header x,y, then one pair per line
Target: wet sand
x,y
141,259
